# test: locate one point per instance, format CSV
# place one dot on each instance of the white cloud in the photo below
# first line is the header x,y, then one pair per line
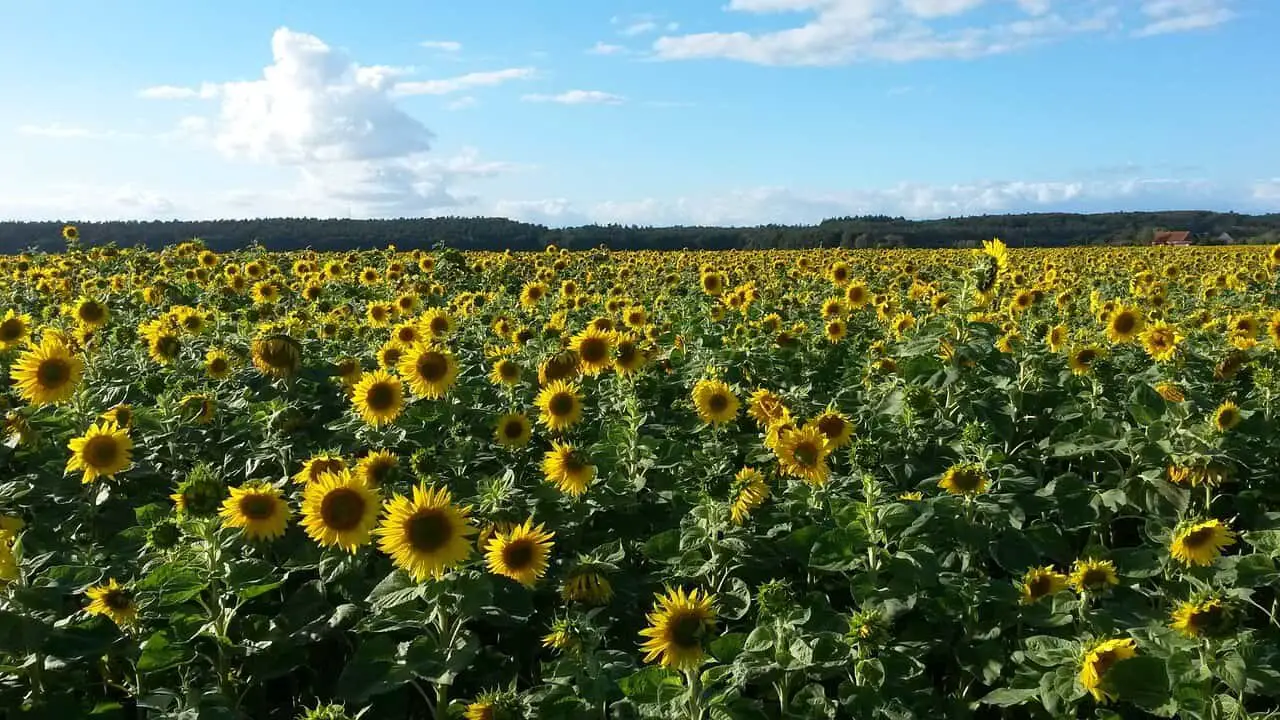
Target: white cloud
x,y
464,82
578,97
462,103
1268,191
847,31
206,91
604,48
442,45
1170,16
639,28
81,201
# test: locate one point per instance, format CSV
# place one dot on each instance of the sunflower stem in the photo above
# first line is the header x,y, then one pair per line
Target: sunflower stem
x,y
694,680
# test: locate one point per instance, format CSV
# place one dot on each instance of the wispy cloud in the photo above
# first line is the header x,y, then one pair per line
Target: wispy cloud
x,y
604,48
1171,16
452,46
462,103
464,82
206,91
578,97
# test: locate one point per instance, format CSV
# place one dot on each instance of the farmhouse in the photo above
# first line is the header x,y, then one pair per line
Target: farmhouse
x,y
1171,237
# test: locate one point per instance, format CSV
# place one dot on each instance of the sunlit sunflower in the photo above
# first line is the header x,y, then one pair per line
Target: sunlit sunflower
x,y
715,402
1227,416
1098,660
276,355
378,397
121,415
1197,619
628,355
103,451
217,364
318,465
1090,574
426,535
438,324
594,349
258,509
48,373
512,430
1171,392
561,366
114,601
1082,359
1056,338
559,405
430,370
1124,325
1041,582
1160,340
14,328
520,553
767,408
377,468
91,312
803,454
1201,543
586,586
835,426
199,408
70,232
678,625
964,479
505,372
564,467
340,510
749,492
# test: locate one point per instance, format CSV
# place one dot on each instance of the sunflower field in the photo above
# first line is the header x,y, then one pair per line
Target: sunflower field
x,y
1000,483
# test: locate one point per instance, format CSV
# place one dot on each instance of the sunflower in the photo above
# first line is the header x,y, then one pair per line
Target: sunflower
x,y
91,312
276,355
217,364
561,366
425,535
1196,619
339,510
563,467
1041,582
1200,543
767,408
164,343
835,426
1082,359
997,251
628,355
378,397
588,587
121,415
430,370
1098,659
520,553
377,468
505,372
678,625
104,450
594,349
513,430
199,408
1093,574
750,492
1170,392
1124,325
14,328
112,600
559,405
437,323
1227,416
1160,340
48,373
964,479
318,465
565,635
803,454
715,402
258,509
70,232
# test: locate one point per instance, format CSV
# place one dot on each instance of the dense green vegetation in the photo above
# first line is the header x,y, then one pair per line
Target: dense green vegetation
x,y
1046,229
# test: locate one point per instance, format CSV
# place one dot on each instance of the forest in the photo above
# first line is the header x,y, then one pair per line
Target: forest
x,y
483,233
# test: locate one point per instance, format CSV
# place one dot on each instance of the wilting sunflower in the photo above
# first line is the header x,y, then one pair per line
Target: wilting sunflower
x,y
121,415
594,349
1170,392
1124,325
964,479
715,402
750,492
767,408
505,372
318,465
340,510
512,430
803,454
678,625
1041,582
1092,574
378,397
276,355
104,450
1082,359
1056,338
377,468
258,509
425,535
520,553
1161,341
48,373
586,586
430,370
1201,543
1196,619
112,600
560,406
1099,659
563,467
14,328
217,364
1227,416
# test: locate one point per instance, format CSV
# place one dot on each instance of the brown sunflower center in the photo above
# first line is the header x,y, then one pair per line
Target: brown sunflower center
x,y
831,426
966,479
718,402
166,346
53,373
806,453
218,365
117,600
1086,357
508,370
101,451
1094,576
92,312
518,554
11,329
1197,539
513,429
380,397
571,464
1039,586
593,350
432,366
685,630
1124,323
562,404
439,325
257,507
428,530
342,509
406,335
1104,660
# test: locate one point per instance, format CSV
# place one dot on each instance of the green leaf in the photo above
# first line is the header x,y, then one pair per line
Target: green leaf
x,y
836,550
158,653
372,670
1141,680
727,647
663,547
174,584
1267,541
735,600
394,589
1006,697
1049,651
651,685
1233,671
760,640
1145,404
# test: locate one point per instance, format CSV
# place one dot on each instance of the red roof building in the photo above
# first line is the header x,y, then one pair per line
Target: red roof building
x,y
1171,237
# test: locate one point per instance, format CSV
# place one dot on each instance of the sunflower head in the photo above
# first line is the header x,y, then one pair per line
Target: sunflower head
x,y
559,405
340,510
277,355
678,626
1200,543
258,509
112,600
715,402
103,451
512,430
1041,582
520,553
964,479
378,397
1227,416
200,493
48,373
425,534
1207,617
1091,574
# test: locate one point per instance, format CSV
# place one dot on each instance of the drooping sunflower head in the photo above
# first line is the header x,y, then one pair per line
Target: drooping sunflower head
x,y
1227,416
318,465
377,468
1207,617
559,405
1200,543
114,601
587,585
766,407
121,415
340,510
521,553
430,370
678,626
427,534
749,492
964,479
513,430
1098,660
258,509
566,468
48,373
1082,359
378,397
1171,392
103,451
1041,582
277,355
715,402
1091,574
561,366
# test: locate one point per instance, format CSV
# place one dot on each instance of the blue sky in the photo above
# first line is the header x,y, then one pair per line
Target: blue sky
x,y
636,111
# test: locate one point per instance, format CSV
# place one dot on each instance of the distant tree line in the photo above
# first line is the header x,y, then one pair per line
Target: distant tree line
x,y
871,231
